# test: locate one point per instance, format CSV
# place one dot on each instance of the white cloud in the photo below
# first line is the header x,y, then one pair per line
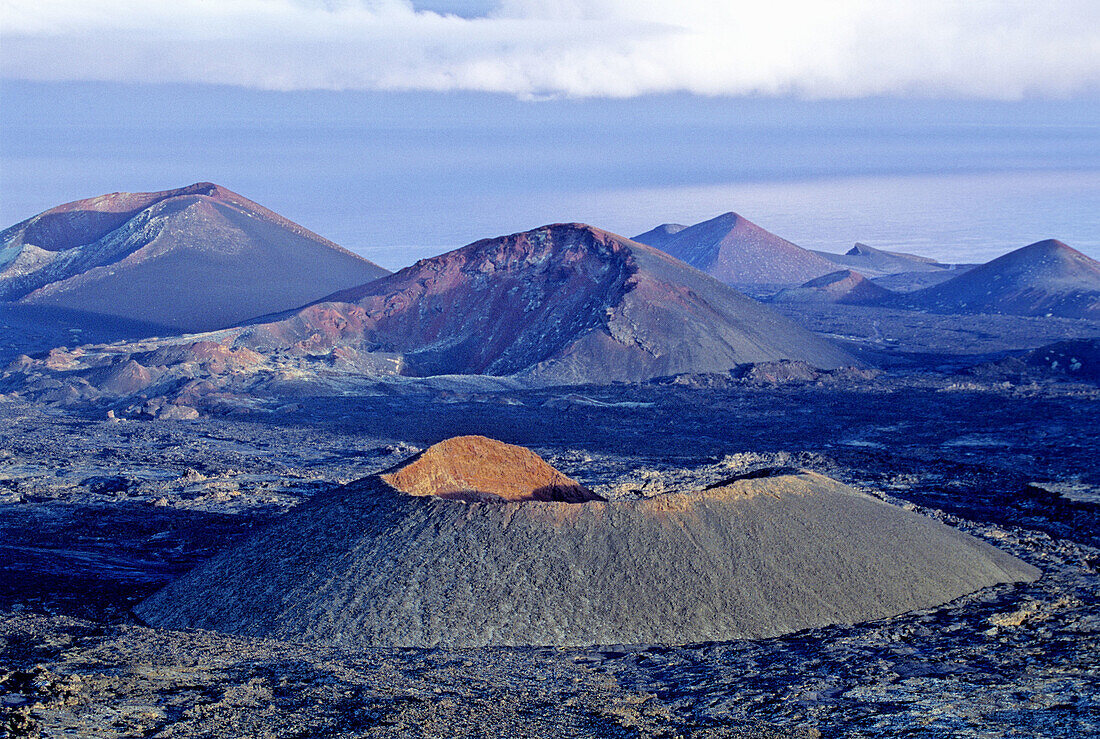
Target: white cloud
x,y
617,48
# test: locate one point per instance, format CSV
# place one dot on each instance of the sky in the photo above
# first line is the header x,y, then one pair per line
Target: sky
x,y
401,129
992,49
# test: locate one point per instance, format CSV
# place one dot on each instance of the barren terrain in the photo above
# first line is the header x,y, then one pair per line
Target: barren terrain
x,y
98,513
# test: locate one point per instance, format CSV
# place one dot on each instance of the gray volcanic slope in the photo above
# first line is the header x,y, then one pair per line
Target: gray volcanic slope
x,y
877,262
562,303
1044,278
738,252
370,565
907,282
659,236
192,259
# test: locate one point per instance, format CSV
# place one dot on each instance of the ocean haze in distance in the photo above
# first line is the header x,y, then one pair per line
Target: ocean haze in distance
x,y
400,176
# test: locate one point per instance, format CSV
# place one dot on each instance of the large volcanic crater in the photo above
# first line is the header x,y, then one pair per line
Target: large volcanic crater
x,y
474,543
562,278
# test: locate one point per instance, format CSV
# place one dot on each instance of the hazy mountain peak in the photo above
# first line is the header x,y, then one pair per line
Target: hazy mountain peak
x,y
861,249
842,286
1051,243
736,251
1044,278
656,237
1049,258
192,258
1049,247
874,262
832,278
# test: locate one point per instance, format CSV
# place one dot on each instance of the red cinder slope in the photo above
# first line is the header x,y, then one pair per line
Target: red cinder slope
x,y
842,286
561,303
479,469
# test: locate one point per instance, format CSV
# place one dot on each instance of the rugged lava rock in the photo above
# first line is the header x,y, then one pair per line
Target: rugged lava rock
x,y
1077,359
369,565
192,259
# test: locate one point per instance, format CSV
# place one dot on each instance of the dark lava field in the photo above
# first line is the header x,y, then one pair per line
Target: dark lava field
x,y
132,454
97,513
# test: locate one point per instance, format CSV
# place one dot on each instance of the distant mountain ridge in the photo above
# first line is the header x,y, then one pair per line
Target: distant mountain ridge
x,y
872,262
559,305
191,259
567,301
736,251
659,236
1044,278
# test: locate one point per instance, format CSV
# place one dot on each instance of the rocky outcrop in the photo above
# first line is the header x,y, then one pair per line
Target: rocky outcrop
x,y
749,557
1077,359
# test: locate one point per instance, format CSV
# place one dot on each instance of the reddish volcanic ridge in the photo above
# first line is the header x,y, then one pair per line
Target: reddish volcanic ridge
x,y
479,469
843,286
562,303
1047,278
738,252
192,259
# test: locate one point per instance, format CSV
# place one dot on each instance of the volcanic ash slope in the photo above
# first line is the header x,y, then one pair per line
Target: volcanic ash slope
x,y
193,259
736,251
558,305
872,262
381,562
1047,278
